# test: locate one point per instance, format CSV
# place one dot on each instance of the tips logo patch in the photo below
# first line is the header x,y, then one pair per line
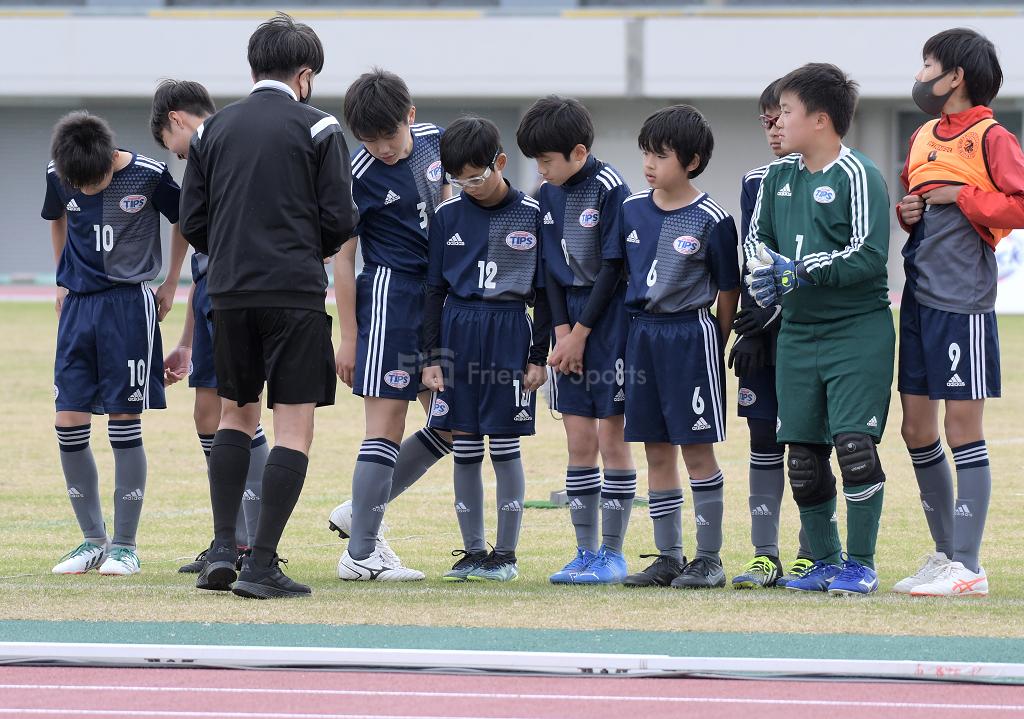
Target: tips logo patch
x,y
521,240
589,218
440,408
399,379
132,203
824,195
686,245
747,397
435,171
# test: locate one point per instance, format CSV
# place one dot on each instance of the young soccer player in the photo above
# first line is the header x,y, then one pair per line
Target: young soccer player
x,y
753,359
104,206
397,181
964,178
818,242
680,250
179,108
580,201
485,356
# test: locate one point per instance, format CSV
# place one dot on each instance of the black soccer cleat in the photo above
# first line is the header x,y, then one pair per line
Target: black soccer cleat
x,y
701,573
219,571
661,573
267,582
196,565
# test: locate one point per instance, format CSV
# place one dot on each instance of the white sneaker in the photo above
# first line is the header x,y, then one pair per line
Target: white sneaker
x,y
341,521
80,560
377,567
120,563
931,566
955,580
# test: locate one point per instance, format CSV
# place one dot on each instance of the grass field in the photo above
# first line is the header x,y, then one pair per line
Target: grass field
x,y
38,526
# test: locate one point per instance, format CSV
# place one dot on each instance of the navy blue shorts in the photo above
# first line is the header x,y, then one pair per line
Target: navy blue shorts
x,y
389,314
488,343
109,355
600,390
947,355
675,379
756,398
201,372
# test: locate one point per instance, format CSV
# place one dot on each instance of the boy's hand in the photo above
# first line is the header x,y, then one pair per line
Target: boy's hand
x,y
165,299
433,378
176,364
754,321
568,353
536,376
746,355
345,361
58,305
772,275
911,209
944,195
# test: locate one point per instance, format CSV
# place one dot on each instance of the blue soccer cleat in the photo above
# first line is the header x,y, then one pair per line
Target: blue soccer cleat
x,y
607,567
855,578
816,579
580,562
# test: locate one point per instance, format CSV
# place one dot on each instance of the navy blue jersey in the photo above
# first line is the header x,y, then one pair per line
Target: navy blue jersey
x,y
486,253
396,202
748,196
113,236
200,261
581,223
677,260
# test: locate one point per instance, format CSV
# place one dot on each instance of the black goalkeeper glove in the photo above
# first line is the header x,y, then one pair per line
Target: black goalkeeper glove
x,y
754,321
747,355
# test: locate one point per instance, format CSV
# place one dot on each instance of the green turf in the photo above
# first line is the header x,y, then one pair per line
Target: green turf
x,y
39,526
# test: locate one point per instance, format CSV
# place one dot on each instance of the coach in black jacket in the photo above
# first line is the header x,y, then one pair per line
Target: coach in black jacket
x,y
267,195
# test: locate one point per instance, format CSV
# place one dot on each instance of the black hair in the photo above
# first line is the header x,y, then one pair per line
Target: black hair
x,y
82,148
281,47
769,99
975,53
470,141
177,96
681,129
823,87
376,104
555,124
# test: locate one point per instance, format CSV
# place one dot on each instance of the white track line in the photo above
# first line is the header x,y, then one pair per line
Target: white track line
x,y
229,715
514,696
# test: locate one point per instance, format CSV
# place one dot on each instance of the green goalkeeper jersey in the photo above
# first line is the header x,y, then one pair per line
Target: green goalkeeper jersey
x,y
837,222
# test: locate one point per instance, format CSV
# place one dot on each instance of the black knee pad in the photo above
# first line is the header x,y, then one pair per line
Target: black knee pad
x,y
762,436
858,459
810,475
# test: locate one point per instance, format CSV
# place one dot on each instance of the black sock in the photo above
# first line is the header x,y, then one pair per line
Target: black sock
x,y
282,483
229,464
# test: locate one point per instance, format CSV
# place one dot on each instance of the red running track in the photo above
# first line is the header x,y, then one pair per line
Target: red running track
x,y
103,692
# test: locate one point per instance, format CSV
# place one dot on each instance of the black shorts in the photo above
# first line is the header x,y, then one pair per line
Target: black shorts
x,y
288,349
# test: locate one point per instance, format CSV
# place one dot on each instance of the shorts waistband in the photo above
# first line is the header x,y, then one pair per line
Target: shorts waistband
x,y
658,317
486,305
112,291
371,269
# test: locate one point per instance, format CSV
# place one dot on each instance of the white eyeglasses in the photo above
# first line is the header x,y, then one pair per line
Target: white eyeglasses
x,y
473,181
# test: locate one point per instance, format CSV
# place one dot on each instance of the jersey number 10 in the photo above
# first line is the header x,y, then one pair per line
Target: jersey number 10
x,y
104,238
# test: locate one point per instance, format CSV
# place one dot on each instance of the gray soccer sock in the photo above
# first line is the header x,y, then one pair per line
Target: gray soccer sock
x,y
469,491
129,478
82,481
935,482
767,481
666,509
708,506
617,496
511,491
418,454
973,488
583,488
371,485
253,488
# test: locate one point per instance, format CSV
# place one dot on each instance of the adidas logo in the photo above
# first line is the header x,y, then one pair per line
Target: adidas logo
x,y
761,511
249,496
835,517
962,511
926,507
136,396
620,396
633,237
700,424
955,381
456,241
701,522
576,503
548,219
785,191
461,507
523,416
74,493
392,197
873,422
513,506
612,504
73,207
379,508
133,496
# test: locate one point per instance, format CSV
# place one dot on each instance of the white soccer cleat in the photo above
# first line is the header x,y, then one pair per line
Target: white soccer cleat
x,y
341,521
955,580
378,567
121,562
81,559
931,566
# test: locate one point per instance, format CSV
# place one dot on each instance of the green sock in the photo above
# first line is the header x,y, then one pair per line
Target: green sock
x,y
862,517
819,522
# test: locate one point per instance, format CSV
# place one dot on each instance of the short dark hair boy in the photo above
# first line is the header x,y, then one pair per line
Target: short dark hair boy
x,y
681,129
175,97
376,104
281,47
972,52
823,87
470,141
82,148
555,124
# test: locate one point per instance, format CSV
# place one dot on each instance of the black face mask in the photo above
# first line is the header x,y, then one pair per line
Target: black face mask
x,y
309,84
926,99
